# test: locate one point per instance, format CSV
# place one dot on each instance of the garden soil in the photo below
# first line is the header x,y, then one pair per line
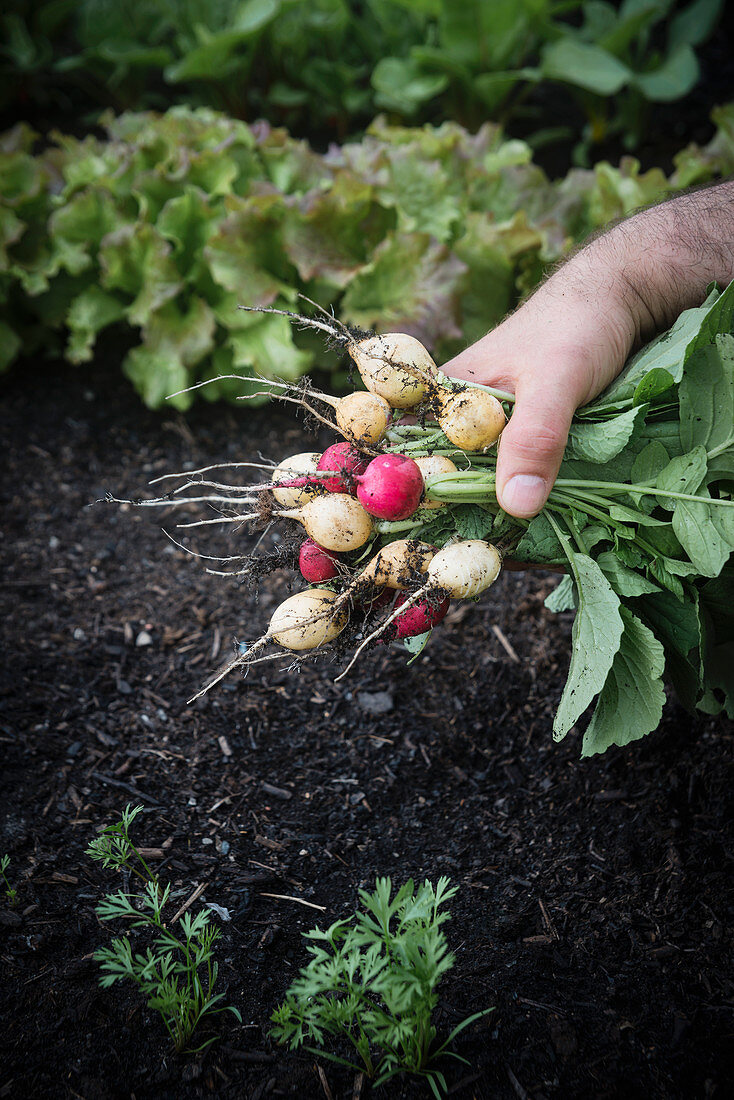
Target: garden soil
x,y
595,907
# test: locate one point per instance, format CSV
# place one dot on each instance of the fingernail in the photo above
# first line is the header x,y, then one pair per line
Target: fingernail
x,y
523,495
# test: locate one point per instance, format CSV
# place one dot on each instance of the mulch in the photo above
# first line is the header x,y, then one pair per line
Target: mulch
x,y
595,906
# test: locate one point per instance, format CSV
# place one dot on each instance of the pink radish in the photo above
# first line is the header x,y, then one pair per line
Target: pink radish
x,y
316,563
420,616
344,459
391,487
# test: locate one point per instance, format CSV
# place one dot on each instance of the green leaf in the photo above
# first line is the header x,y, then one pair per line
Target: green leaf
x,y
694,328
187,221
423,194
417,644
10,345
540,543
649,463
707,398
674,619
682,475
136,260
174,341
403,85
717,596
584,65
631,702
692,25
472,521
266,347
597,631
563,596
90,312
674,79
705,531
246,253
214,54
655,383
624,581
412,285
11,230
330,234
601,442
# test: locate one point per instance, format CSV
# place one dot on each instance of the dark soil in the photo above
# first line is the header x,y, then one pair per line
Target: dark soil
x,y
596,905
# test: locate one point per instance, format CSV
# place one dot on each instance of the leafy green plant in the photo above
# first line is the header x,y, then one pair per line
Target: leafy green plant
x,y
160,229
326,67
176,974
372,981
10,891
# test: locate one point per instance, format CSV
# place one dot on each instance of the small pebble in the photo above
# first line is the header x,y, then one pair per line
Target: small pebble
x,y
375,702
143,638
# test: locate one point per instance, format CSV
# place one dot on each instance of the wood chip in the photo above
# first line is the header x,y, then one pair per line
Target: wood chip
x,y
224,745
300,901
190,901
324,1084
505,644
277,792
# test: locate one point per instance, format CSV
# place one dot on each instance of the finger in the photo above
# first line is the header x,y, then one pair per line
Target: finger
x,y
487,361
532,445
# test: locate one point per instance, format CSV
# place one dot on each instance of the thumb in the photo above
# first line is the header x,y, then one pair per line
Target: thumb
x,y
532,445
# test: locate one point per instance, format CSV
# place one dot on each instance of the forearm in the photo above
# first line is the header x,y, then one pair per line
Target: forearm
x,y
659,262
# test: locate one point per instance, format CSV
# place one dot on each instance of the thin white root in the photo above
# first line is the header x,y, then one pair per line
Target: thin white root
x,y
241,659
168,502
222,519
217,466
306,322
205,557
297,401
382,628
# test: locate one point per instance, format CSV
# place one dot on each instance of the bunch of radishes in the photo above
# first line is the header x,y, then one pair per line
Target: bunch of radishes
x,y
352,497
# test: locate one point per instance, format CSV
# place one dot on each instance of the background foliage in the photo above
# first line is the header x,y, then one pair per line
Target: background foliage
x,y
587,69
166,224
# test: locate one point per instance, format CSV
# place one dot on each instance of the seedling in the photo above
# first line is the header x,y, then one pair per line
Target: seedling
x,y
176,975
10,891
372,981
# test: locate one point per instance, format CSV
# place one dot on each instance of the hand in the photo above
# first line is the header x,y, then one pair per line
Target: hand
x,y
570,339
555,353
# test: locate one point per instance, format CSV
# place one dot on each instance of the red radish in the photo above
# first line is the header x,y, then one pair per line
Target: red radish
x,y
391,487
316,563
420,616
341,458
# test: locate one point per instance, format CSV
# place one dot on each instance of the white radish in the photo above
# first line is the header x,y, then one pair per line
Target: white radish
x,y
307,620
396,367
465,569
461,570
396,565
336,521
471,419
289,470
434,466
361,416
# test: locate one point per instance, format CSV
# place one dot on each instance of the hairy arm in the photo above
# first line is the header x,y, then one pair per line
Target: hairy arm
x,y
569,340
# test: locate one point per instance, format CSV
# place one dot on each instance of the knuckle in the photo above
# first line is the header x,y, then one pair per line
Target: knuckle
x,y
539,442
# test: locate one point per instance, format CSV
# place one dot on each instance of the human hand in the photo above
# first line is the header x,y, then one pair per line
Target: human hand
x,y
570,339
558,351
